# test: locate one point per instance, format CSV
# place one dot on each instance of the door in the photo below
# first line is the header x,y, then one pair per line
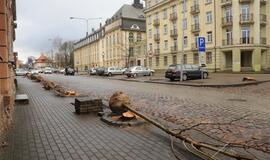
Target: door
x,y
196,72
245,36
245,12
228,15
228,37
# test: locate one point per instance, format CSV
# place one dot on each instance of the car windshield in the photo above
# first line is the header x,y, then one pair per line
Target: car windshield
x,y
172,66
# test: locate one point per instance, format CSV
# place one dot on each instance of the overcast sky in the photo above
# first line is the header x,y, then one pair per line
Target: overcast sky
x,y
42,20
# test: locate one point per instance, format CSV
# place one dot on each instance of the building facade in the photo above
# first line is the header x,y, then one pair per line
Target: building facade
x,y
237,33
7,61
42,62
121,42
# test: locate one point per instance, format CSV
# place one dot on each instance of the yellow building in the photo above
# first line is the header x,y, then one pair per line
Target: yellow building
x,y
237,33
119,43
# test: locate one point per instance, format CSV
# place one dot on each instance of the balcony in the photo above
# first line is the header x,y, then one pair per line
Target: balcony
x,y
174,49
227,42
174,33
156,22
245,1
173,16
246,19
225,3
227,21
263,19
157,37
246,40
195,28
194,46
195,9
157,51
263,40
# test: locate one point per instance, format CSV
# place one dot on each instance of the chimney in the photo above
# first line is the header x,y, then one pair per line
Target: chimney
x,y
137,4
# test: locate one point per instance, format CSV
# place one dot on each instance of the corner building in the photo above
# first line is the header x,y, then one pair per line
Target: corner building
x,y
237,33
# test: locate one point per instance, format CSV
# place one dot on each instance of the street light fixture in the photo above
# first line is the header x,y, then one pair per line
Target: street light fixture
x,y
86,20
183,37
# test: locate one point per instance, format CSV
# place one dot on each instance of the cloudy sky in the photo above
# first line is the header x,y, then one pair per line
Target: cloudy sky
x,y
42,20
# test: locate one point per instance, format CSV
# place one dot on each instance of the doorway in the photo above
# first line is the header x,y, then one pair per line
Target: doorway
x,y
228,60
246,60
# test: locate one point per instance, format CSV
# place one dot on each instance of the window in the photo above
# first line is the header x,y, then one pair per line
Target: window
x,y
150,20
195,58
150,62
131,51
185,24
209,17
139,37
165,60
150,33
165,29
185,59
166,45
185,41
157,61
150,47
209,37
131,37
209,57
184,7
245,36
174,59
165,14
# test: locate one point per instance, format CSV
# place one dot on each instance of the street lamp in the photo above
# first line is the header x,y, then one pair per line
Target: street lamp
x,y
183,37
86,20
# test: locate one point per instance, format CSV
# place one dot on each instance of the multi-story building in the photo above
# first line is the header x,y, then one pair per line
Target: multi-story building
x,y
237,33
120,42
7,61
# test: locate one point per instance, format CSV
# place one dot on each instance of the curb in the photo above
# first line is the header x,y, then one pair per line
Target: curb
x,y
194,85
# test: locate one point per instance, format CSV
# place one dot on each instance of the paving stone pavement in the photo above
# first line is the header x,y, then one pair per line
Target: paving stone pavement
x,y
48,129
183,107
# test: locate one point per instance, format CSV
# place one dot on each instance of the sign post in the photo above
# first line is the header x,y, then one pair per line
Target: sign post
x,y
201,52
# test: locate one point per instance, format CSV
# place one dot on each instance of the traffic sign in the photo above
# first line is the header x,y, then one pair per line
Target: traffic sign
x,y
201,44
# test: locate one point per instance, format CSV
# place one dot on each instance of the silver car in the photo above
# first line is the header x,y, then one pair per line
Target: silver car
x,y
113,71
21,72
138,71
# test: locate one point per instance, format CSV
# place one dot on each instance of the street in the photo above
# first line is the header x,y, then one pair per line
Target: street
x,y
234,115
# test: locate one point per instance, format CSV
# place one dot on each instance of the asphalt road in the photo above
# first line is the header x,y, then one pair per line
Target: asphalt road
x,y
234,115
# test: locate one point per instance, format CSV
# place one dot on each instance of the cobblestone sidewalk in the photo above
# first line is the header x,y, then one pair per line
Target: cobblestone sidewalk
x,y
47,129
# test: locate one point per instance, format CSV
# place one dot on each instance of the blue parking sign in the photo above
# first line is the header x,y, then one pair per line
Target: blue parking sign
x,y
201,44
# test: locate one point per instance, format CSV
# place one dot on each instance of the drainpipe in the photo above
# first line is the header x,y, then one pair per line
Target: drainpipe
x,y
215,16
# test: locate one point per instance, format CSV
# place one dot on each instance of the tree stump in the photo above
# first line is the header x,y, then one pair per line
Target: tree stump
x,y
117,103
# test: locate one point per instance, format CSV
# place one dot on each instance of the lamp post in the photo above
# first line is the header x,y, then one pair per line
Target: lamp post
x,y
86,20
183,37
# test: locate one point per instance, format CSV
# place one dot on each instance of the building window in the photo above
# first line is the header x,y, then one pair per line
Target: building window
x,y
174,59
150,62
131,37
131,51
209,37
209,17
157,61
185,41
165,60
166,45
139,37
195,58
165,29
209,57
184,7
150,47
185,59
150,20
165,14
150,33
185,24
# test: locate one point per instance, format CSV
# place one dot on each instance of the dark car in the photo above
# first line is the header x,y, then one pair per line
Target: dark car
x,y
69,72
189,72
100,71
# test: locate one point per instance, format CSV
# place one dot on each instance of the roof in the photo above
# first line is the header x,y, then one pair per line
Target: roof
x,y
129,11
42,59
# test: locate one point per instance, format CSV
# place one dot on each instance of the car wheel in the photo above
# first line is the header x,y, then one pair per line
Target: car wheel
x,y
184,77
172,79
150,74
135,75
110,74
205,75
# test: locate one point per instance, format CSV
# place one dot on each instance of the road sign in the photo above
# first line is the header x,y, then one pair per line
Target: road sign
x,y
201,44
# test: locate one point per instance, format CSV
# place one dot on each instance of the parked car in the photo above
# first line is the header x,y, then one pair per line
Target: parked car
x,y
92,71
124,70
48,71
189,72
113,71
34,71
21,72
100,71
138,71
